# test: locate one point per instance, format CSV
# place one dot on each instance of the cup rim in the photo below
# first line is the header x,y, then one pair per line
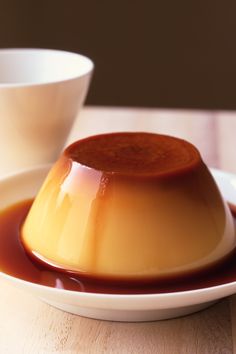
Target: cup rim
x,y
86,61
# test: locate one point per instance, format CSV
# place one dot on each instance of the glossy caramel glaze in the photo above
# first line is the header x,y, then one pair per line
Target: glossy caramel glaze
x,y
135,154
129,205
17,263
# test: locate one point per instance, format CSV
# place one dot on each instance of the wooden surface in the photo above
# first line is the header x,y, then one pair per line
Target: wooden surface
x,y
30,326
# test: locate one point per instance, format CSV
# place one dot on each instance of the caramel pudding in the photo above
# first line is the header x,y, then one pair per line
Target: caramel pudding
x,y
129,206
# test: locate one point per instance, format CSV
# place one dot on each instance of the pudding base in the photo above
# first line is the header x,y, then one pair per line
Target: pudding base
x,y
15,261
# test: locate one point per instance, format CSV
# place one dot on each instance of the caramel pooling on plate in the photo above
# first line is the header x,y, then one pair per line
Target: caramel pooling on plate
x,y
129,205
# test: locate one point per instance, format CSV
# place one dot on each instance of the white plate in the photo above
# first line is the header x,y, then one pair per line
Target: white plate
x,y
146,307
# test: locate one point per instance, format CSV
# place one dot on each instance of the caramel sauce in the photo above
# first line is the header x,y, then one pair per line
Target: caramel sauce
x,y
16,262
136,154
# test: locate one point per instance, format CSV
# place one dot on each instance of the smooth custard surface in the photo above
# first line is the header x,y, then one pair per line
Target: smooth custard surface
x,y
129,205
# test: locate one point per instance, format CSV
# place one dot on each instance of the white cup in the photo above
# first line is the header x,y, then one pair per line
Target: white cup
x,y
41,92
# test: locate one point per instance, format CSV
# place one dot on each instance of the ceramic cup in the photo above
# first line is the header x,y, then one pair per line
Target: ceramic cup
x,y
41,92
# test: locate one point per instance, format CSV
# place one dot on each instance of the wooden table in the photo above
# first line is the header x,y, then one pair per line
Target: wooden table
x,y
29,326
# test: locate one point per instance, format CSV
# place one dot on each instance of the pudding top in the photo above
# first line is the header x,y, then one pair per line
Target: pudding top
x,y
135,154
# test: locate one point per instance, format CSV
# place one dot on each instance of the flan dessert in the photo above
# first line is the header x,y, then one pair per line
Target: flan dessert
x,y
129,206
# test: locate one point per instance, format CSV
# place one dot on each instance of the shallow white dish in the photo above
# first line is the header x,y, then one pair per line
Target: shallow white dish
x,y
148,307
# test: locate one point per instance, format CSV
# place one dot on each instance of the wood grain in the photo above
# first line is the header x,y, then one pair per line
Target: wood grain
x,y
30,326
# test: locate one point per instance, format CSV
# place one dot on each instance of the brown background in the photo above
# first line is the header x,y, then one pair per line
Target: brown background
x,y
147,53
